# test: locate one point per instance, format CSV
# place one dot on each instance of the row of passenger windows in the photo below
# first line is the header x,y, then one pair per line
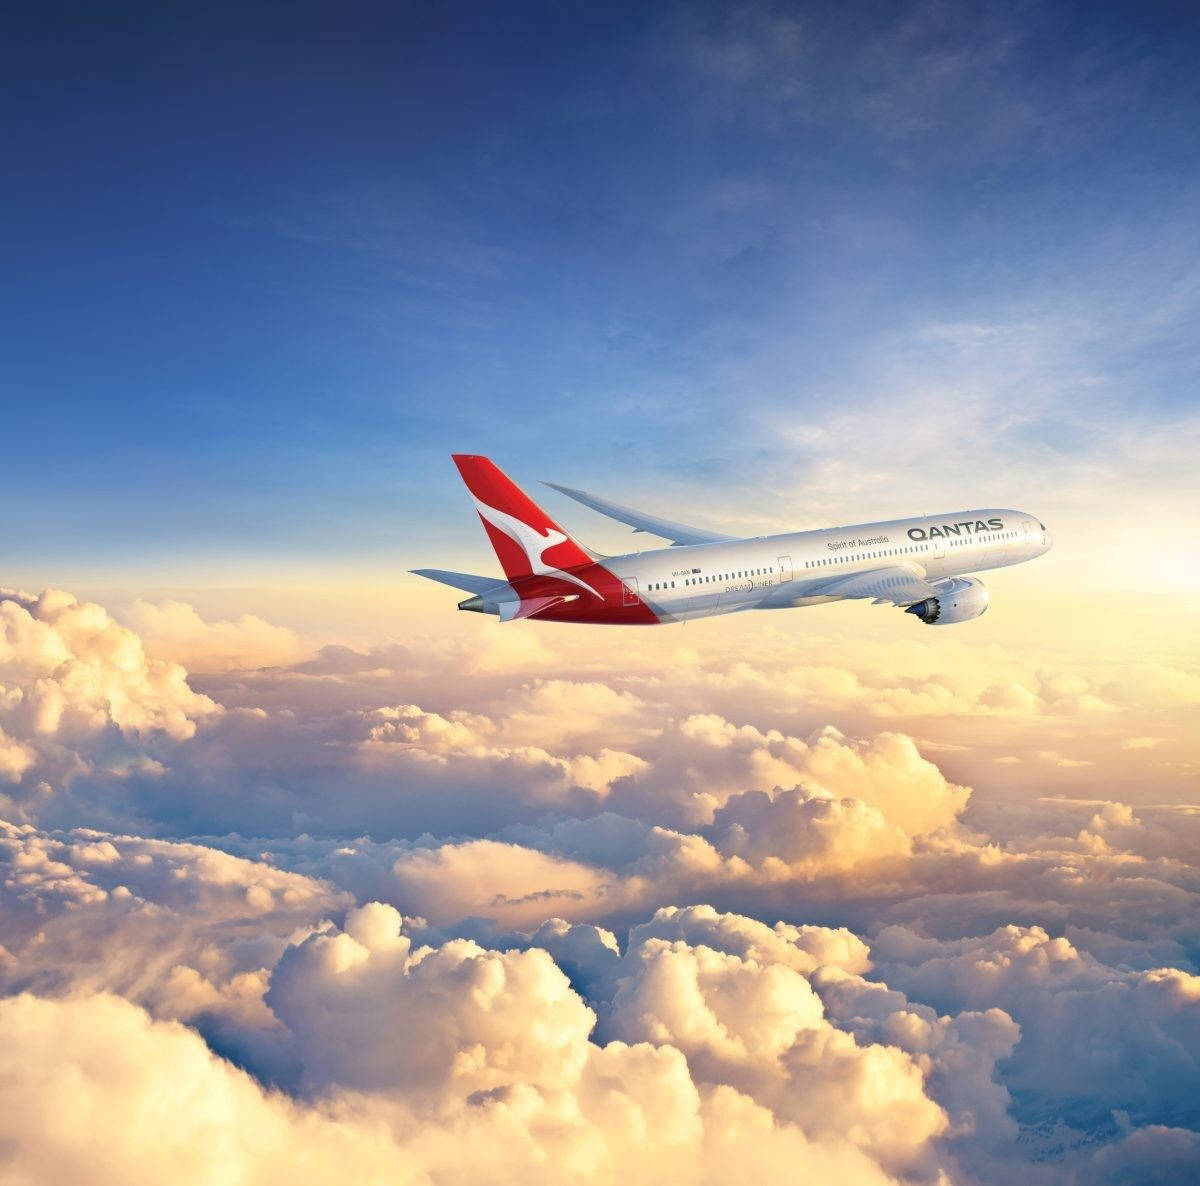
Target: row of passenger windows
x,y
740,575
826,561
981,539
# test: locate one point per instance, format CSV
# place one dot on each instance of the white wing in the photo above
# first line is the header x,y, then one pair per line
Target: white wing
x,y
893,584
677,533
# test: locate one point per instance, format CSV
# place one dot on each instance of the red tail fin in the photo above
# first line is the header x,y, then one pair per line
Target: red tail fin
x,y
526,539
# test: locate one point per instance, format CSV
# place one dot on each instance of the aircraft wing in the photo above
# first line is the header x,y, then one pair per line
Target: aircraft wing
x,y
677,533
888,585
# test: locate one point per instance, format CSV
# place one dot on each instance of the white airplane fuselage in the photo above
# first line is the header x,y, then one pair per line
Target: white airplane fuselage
x,y
793,569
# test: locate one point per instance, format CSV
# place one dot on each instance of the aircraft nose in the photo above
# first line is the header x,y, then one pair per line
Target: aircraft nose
x,y
1047,537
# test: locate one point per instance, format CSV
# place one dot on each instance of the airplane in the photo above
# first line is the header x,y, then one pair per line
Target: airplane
x,y
918,564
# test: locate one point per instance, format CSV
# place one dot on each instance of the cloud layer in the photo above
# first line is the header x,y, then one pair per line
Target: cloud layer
x,y
667,922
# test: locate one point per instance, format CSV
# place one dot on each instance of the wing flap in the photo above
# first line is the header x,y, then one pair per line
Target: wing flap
x,y
677,533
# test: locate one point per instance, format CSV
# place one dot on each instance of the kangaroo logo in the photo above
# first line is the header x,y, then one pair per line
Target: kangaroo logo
x,y
532,542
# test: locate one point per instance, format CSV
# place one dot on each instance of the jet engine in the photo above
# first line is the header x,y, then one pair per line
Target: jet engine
x,y
958,599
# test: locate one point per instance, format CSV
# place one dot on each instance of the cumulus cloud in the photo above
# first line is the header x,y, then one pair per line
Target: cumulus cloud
x,y
1081,1019
185,930
175,632
79,694
148,1100
517,885
432,1025
93,1090
762,1006
762,1030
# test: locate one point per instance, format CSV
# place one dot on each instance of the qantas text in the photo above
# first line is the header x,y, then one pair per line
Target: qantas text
x,y
964,528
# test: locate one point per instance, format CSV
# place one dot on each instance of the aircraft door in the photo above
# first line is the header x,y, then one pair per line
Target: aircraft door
x,y
629,591
785,569
1027,527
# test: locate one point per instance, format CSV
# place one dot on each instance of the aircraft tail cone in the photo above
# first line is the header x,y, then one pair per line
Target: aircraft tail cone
x,y
475,604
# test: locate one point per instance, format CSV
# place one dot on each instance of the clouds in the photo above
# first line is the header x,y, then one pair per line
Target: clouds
x,y
761,674
182,929
409,1051
671,909
92,1089
173,631
153,1101
793,831
762,1030
1115,1038
685,1025
697,1023
518,885
370,1014
78,672
79,695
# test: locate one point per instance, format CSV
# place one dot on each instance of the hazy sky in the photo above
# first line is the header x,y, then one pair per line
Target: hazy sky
x,y
305,876
764,265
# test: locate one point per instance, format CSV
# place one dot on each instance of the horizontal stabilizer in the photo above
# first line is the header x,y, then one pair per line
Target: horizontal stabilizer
x,y
458,580
677,533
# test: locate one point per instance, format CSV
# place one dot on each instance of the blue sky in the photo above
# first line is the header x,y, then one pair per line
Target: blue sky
x,y
265,274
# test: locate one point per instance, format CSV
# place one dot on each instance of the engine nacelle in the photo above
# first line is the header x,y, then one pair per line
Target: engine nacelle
x,y
958,599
